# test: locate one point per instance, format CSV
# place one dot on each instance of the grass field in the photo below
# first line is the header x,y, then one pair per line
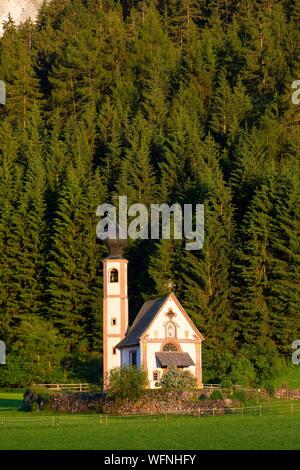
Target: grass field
x,y
275,429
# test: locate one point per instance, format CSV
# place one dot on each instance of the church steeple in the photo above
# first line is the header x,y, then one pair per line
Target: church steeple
x,y
115,304
116,245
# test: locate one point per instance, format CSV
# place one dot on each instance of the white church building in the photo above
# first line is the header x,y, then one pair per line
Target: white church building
x,y
162,334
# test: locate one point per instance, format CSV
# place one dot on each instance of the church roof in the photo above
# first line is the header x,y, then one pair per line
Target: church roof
x,y
142,321
179,359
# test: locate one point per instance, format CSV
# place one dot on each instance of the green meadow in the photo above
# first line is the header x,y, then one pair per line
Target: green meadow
x,y
278,427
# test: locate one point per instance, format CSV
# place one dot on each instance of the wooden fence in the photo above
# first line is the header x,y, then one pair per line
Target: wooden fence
x,y
212,386
54,420
79,387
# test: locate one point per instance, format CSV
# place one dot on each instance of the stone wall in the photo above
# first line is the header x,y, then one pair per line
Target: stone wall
x,y
288,394
150,403
76,402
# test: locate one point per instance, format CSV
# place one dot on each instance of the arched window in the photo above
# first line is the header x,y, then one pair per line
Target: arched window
x,y
114,276
170,330
170,347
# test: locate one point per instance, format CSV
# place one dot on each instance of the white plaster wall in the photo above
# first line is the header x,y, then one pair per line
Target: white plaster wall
x,y
154,365
157,331
184,331
125,355
191,349
157,328
113,311
113,360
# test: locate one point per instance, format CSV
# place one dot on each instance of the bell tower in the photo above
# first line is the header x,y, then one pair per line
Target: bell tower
x,y
115,304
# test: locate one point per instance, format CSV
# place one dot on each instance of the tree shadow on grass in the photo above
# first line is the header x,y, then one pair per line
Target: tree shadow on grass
x,y
10,404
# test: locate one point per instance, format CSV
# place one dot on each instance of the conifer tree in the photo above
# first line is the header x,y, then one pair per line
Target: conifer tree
x,y
137,178
167,101
74,258
254,268
285,262
17,71
23,231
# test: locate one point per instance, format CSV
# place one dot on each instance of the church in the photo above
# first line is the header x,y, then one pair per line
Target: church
x,y
162,334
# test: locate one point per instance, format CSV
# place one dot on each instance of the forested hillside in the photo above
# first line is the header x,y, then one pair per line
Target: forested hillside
x,y
164,101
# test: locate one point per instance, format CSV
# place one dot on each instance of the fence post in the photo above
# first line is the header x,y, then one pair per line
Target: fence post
x,y
101,419
260,414
106,420
80,387
242,412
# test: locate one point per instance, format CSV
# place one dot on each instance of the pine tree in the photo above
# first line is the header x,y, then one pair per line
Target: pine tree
x,y
250,168
137,178
23,231
253,268
111,140
229,109
65,285
17,71
57,155
179,161
32,211
165,101
180,16
73,263
284,264
164,267
206,273
10,191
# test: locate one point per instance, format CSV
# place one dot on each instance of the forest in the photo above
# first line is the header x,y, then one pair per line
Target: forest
x,y
165,101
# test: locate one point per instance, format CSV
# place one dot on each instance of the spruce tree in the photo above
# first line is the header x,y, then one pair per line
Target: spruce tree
x,y
17,70
137,178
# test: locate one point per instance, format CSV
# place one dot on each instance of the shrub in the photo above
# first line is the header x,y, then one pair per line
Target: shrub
x,y
14,373
34,356
84,366
20,371
177,379
240,395
226,383
270,388
127,382
242,372
35,398
216,395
